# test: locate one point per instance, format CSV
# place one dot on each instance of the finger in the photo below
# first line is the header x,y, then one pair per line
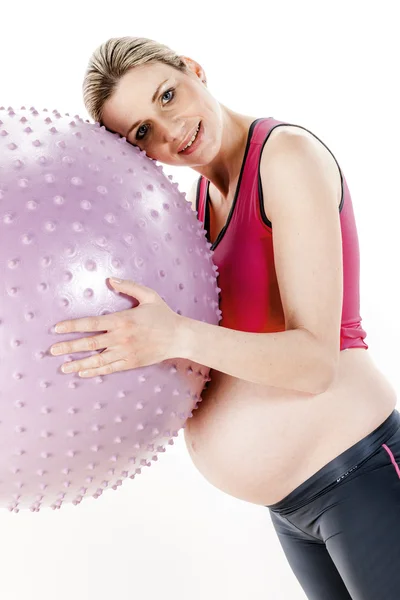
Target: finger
x,y
89,324
135,290
88,344
97,361
100,323
114,367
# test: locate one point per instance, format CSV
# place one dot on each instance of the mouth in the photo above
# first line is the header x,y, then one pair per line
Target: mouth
x,y
193,142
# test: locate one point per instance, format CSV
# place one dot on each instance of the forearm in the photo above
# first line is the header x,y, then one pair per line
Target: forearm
x,y
291,359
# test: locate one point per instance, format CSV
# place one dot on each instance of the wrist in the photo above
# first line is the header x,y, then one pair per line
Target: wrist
x,y
197,341
184,338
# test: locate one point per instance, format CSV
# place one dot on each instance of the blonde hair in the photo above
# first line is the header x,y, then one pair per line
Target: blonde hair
x,y
113,59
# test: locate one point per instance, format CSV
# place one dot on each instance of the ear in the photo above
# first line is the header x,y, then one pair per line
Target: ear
x,y
195,68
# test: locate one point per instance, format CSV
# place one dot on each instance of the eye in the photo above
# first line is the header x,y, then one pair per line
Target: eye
x,y
171,91
169,96
140,134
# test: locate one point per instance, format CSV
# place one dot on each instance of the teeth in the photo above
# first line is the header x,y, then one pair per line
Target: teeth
x,y
193,138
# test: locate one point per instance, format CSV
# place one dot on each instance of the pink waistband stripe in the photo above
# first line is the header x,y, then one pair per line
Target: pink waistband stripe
x,y
392,458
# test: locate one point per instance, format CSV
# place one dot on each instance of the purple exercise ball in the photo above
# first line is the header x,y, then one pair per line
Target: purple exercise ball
x,y
79,204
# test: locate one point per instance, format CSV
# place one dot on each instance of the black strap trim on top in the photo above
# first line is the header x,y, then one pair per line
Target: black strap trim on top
x,y
198,195
207,200
260,192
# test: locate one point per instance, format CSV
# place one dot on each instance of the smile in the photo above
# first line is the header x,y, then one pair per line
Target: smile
x,y
192,140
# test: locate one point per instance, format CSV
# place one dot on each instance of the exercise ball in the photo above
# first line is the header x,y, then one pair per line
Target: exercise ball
x,y
79,204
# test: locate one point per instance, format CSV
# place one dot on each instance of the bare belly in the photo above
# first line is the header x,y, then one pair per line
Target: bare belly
x,y
259,443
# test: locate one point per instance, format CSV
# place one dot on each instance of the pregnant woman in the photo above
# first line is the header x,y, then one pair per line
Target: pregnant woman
x,y
297,417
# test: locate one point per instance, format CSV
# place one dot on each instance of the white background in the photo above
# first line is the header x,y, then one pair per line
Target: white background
x,y
331,67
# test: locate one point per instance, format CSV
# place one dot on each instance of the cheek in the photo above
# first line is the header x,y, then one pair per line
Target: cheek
x,y
151,155
162,156
155,153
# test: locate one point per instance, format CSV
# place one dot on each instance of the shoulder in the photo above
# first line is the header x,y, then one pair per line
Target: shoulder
x,y
290,148
289,138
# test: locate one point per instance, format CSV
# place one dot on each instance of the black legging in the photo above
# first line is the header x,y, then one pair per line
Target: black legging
x,y
340,530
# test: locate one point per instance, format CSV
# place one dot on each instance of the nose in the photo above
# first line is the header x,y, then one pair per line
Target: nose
x,y
172,131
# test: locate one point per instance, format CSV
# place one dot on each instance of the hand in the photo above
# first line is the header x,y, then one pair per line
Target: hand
x,y
144,335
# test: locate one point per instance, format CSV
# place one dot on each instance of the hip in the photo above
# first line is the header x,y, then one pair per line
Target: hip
x,y
380,448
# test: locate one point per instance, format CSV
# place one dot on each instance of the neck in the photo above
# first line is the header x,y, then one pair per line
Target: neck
x,y
224,170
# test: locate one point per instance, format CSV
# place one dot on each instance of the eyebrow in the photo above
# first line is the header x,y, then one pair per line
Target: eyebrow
x,y
152,101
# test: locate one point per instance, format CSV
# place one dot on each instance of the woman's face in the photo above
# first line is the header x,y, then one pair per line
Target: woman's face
x,y
160,109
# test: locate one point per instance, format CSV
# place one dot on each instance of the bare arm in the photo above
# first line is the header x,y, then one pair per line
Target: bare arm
x,y
301,198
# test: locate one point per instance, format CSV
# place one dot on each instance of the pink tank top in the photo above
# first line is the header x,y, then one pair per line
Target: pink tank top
x,y
243,252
